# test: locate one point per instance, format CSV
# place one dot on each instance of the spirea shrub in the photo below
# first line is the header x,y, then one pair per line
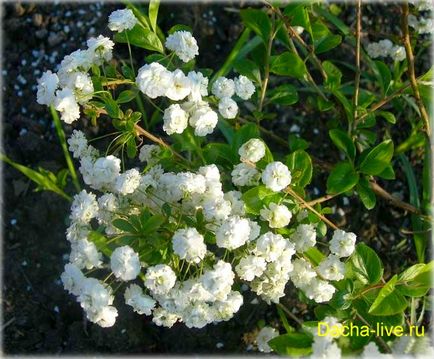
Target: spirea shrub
x,y
180,226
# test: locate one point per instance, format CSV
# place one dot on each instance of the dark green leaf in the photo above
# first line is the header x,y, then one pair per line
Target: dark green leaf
x,y
388,301
140,37
344,142
327,43
334,75
388,116
283,95
365,265
153,13
377,158
288,64
292,344
126,96
249,69
366,194
124,225
342,178
258,21
300,165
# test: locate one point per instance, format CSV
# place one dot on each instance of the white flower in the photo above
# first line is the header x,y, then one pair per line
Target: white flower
x,y
250,267
154,80
216,209
84,254
66,103
198,86
81,84
270,246
94,295
180,86
189,244
105,317
255,230
276,176
149,153
125,263
244,88
304,237
319,290
253,150
227,308
397,53
141,303
84,207
79,60
237,204
219,280
105,171
278,216
47,86
233,233
343,243
160,279
162,317
244,174
127,182
381,48
264,336
228,108
302,273
102,49
323,349
77,144
121,20
331,268
223,87
175,119
183,44
72,279
203,120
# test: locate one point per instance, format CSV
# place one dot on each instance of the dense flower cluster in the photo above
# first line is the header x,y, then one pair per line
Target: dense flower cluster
x,y
262,258
186,269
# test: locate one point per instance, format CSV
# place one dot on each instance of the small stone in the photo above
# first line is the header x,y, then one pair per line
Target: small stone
x,y
54,39
41,34
37,20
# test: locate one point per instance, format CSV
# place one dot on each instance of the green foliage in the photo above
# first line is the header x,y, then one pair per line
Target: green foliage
x,y
342,178
292,344
365,265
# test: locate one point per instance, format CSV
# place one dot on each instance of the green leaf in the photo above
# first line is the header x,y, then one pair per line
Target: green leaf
x,y
131,147
383,75
297,143
288,64
298,15
140,37
300,165
243,134
388,173
342,178
153,223
124,225
45,180
111,107
334,75
258,21
327,43
340,25
343,142
153,13
415,140
365,265
179,27
253,198
377,159
292,344
100,242
283,95
249,69
416,280
126,96
366,194
388,301
388,116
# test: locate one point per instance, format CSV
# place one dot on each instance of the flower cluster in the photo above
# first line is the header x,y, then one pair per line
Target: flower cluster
x,y
385,48
194,285
72,86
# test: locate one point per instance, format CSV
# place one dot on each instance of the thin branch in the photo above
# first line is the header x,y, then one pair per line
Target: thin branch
x,y
267,67
300,199
321,199
290,314
357,75
410,65
379,339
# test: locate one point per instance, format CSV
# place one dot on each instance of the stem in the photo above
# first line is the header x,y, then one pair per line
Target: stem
x,y
321,199
357,75
379,339
322,217
129,51
62,139
410,69
291,315
267,67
